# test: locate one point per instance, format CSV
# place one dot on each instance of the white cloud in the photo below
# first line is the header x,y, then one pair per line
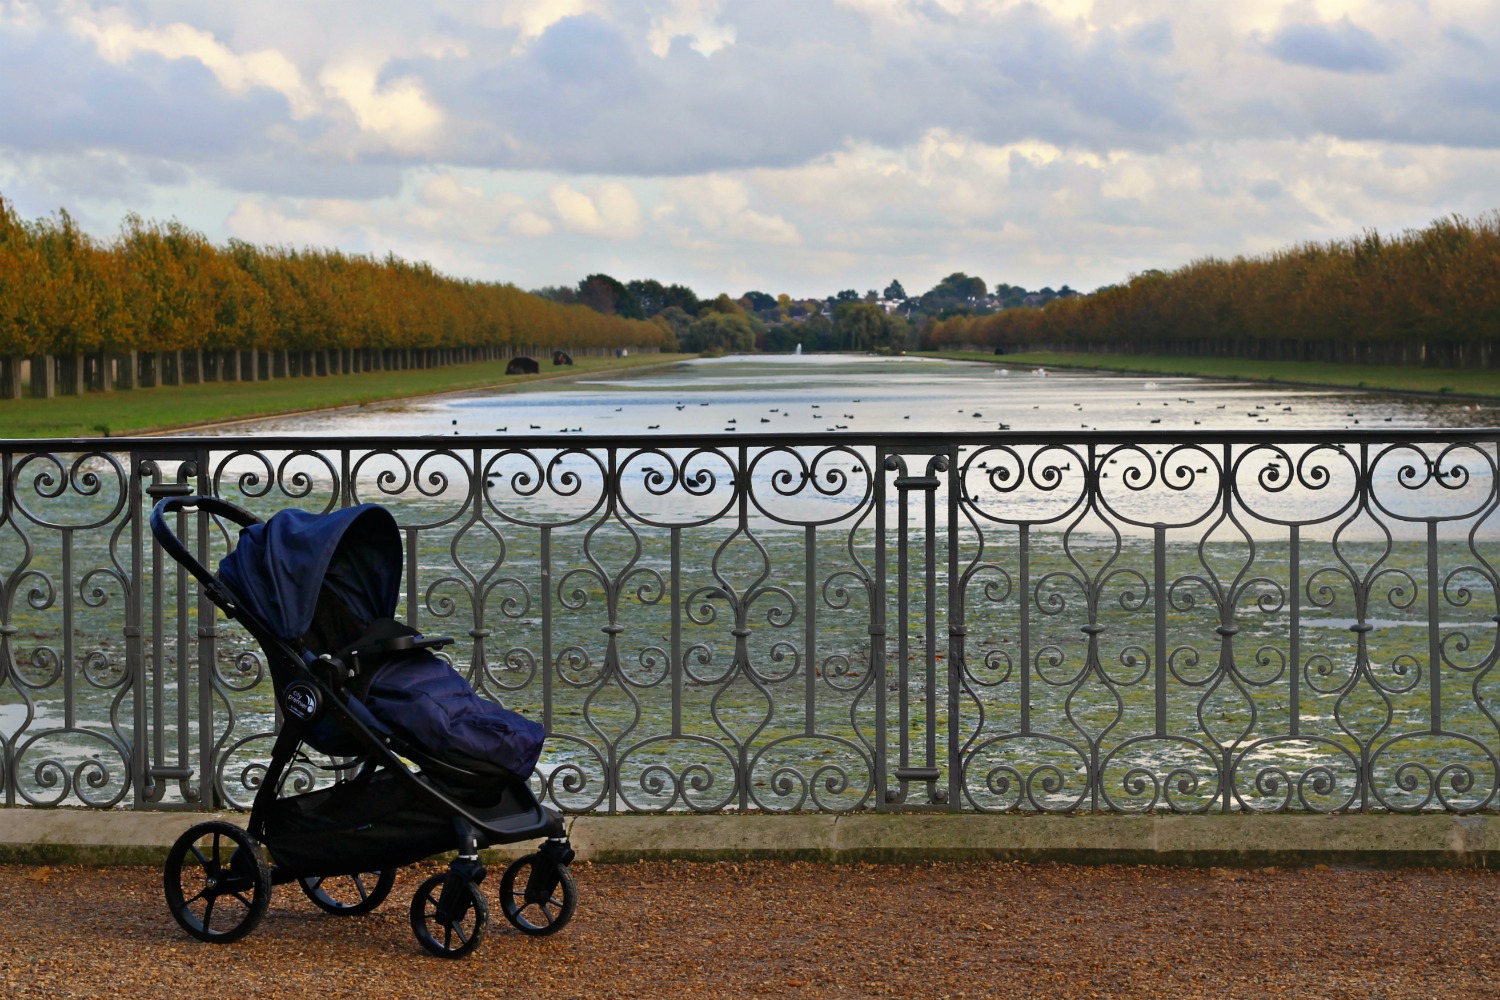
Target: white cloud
x,y
530,225
608,210
719,208
119,42
530,17
797,145
398,111
20,14
695,20
263,221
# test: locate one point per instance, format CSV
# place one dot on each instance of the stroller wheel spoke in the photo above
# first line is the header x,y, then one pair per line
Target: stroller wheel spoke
x,y
212,862
349,895
453,935
534,875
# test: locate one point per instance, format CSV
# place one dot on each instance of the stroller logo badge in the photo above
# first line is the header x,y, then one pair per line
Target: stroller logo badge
x,y
302,701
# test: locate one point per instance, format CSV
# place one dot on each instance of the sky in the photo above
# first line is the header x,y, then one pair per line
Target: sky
x,y
797,146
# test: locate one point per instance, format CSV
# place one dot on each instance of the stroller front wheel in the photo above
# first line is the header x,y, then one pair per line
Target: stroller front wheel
x,y
449,928
216,883
349,895
538,895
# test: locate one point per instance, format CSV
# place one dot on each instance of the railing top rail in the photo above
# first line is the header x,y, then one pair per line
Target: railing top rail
x,y
915,439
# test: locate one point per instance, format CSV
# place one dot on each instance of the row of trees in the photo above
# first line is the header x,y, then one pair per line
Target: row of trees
x,y
753,322
163,287
1429,296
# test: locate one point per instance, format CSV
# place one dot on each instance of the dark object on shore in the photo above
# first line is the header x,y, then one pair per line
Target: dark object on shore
x,y
562,358
999,350
522,366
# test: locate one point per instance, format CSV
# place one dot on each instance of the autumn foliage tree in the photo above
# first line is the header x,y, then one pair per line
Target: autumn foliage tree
x,y
1429,296
164,287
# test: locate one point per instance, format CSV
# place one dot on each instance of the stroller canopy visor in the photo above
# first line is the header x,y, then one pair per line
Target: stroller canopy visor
x,y
279,565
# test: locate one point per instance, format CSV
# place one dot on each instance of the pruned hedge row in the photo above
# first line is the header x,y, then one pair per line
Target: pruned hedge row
x,y
161,288
1427,297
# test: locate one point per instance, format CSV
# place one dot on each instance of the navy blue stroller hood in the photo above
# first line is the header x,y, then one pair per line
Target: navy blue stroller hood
x,y
279,570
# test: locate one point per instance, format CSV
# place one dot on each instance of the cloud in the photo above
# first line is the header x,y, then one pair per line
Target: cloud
x,y
790,145
608,210
397,111
530,225
529,18
692,21
718,207
265,221
596,94
118,43
1342,47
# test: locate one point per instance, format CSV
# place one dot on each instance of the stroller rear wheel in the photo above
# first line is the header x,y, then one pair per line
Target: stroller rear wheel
x,y
349,895
453,927
538,895
216,883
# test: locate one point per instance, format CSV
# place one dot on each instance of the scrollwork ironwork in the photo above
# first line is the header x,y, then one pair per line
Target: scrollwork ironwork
x,y
1106,622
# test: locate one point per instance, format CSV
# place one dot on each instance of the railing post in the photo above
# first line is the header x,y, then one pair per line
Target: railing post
x,y
927,483
152,720
885,796
957,631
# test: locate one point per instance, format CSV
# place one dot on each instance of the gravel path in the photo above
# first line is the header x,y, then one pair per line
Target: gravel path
x,y
776,928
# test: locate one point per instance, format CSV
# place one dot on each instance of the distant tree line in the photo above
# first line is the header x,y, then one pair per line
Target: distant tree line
x,y
1428,297
844,321
83,311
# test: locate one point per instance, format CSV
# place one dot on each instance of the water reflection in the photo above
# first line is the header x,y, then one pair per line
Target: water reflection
x,y
829,393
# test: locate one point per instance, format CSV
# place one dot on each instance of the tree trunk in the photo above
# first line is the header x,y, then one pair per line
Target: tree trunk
x,y
169,367
10,378
43,376
104,366
70,375
125,368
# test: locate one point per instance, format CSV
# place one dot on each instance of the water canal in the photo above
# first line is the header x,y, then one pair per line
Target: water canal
x,y
539,550
825,393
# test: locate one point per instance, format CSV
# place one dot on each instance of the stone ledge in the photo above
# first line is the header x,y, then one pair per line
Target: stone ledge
x,y
78,836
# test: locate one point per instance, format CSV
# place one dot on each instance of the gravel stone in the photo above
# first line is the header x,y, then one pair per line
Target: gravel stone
x,y
670,929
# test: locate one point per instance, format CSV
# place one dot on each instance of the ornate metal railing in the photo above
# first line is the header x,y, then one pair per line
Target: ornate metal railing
x,y
1064,622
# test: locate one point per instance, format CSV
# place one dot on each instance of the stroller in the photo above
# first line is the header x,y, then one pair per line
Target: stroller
x,y
425,765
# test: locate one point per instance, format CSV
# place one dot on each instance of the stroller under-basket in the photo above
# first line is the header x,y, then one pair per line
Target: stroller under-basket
x,y
424,765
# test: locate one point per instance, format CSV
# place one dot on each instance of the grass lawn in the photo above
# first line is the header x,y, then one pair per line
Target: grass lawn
x,y
180,407
1440,381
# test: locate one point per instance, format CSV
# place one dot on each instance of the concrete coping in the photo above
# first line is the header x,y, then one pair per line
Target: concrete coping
x,y
79,836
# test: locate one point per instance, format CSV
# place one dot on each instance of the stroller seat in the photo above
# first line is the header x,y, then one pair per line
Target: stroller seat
x,y
329,584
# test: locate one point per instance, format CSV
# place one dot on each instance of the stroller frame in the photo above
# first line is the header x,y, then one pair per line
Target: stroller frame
x,y
216,880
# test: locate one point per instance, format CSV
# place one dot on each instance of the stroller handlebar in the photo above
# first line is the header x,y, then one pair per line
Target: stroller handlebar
x,y
168,539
